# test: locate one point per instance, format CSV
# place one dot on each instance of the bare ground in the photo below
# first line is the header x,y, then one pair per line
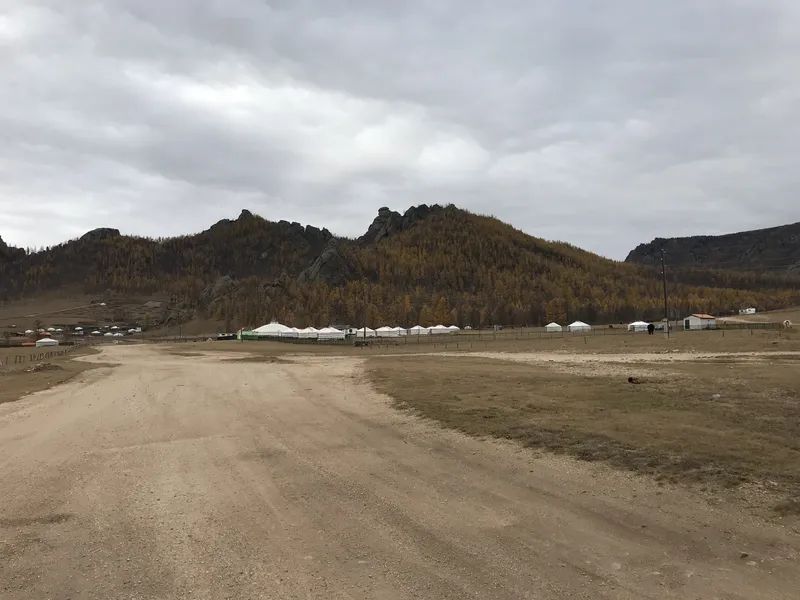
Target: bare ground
x,y
178,477
17,380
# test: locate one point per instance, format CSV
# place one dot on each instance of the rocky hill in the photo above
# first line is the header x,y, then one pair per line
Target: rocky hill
x,y
428,265
775,249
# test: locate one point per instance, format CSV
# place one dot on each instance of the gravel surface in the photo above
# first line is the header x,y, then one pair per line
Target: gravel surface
x,y
194,477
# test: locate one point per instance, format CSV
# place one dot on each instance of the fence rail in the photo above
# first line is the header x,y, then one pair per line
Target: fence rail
x,y
10,360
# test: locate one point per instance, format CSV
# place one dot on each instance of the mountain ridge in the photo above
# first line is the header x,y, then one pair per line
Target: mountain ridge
x,y
427,265
774,248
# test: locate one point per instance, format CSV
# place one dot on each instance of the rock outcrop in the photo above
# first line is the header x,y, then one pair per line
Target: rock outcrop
x,y
389,222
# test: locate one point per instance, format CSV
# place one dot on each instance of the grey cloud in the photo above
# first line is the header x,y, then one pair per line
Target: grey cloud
x,y
602,126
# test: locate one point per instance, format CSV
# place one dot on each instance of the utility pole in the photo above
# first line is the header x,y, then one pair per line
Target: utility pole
x,y
366,306
664,275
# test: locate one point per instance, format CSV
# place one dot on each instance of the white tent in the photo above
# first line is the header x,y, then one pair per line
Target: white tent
x,y
638,326
115,328
59,331
418,330
579,326
329,333
79,329
386,331
96,333
454,328
274,329
360,332
401,331
553,327
29,331
108,334
131,331
51,329
308,333
439,329
46,342
118,334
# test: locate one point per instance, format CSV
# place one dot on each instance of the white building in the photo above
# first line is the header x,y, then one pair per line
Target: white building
x,y
747,311
419,330
638,326
387,331
308,333
274,329
439,330
553,328
699,321
579,327
329,333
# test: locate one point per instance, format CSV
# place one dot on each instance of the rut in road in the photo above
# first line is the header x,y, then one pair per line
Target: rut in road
x,y
196,477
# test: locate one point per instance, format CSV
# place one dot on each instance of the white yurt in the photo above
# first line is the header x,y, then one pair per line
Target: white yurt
x,y
418,330
579,327
274,329
329,333
95,332
553,328
59,331
79,329
118,334
29,331
131,331
386,331
365,332
454,328
439,330
308,333
401,331
108,334
638,326
51,329
44,342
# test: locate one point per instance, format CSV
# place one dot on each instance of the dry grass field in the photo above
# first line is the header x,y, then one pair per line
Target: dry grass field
x,y
720,422
681,341
18,379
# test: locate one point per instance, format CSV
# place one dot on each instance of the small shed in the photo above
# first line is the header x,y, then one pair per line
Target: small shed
x,y
699,321
45,342
638,326
553,328
579,327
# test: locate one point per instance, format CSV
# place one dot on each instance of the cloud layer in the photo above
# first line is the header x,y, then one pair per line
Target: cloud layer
x,y
602,127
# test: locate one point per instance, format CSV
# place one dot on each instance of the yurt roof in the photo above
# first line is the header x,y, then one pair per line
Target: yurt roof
x,y
273,327
579,324
386,328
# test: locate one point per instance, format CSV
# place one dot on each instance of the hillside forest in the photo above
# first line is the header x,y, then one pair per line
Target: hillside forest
x,y
428,266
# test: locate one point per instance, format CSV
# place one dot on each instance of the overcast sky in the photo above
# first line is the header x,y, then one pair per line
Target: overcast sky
x,y
604,124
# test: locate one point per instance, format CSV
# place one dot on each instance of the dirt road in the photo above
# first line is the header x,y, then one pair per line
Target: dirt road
x,y
177,477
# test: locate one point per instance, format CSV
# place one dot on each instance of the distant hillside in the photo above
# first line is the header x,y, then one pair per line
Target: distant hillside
x,y
774,249
429,265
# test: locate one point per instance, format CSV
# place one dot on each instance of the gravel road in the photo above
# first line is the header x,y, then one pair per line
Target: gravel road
x,y
196,477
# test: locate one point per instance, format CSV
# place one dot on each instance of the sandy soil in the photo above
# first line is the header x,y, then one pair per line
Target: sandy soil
x,y
193,477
